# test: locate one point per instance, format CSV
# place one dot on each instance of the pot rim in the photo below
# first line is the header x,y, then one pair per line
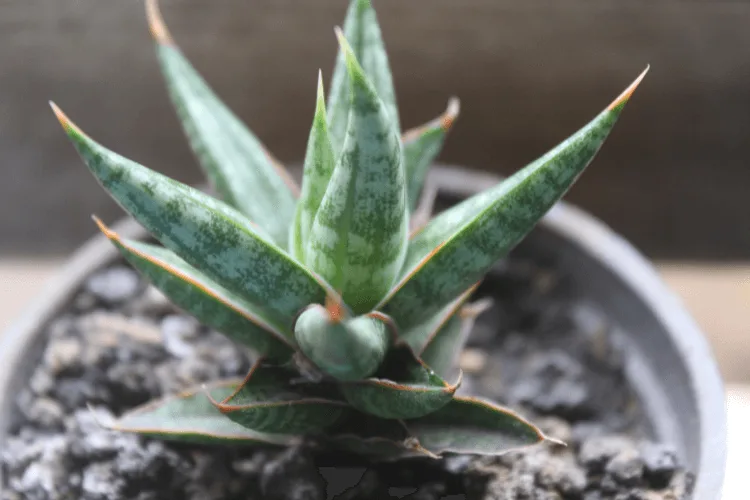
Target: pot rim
x,y
594,237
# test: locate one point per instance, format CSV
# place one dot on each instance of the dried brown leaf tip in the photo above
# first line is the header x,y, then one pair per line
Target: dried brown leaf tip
x,y
335,309
623,98
156,23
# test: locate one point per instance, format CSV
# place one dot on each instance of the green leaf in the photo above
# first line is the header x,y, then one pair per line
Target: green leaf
x,y
191,417
269,400
402,388
473,426
358,239
343,347
210,303
238,165
422,145
375,438
459,246
444,347
361,28
319,164
419,336
208,234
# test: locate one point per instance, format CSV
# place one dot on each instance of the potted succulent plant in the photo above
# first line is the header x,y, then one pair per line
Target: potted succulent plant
x,y
348,309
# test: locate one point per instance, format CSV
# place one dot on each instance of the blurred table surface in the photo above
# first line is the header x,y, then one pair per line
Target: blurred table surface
x,y
717,295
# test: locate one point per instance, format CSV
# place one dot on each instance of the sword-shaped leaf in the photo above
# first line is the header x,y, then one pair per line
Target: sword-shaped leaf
x,y
205,299
444,347
206,233
402,388
463,250
358,239
344,347
419,336
362,30
238,165
269,400
422,145
191,417
473,426
318,168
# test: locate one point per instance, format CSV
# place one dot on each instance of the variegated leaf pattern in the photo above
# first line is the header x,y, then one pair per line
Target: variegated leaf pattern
x,y
191,417
474,426
492,224
402,388
207,301
421,146
318,168
362,30
270,401
238,165
203,231
358,239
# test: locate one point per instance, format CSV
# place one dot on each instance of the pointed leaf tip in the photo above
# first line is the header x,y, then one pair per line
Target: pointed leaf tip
x,y
105,230
156,23
623,98
451,113
67,125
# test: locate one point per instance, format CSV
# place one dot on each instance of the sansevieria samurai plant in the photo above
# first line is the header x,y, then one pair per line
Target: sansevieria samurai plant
x,y
355,302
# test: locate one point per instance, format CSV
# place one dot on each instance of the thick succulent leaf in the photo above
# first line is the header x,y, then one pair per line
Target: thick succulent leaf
x,y
238,165
375,438
191,417
419,336
421,146
402,388
473,426
359,236
319,164
270,400
457,248
361,28
346,348
208,301
444,347
208,234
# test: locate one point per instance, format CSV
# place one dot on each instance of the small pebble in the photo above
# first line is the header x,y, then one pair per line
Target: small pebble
x,y
113,285
660,462
626,468
473,360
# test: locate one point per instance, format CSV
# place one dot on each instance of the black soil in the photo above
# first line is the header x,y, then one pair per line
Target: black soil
x,y
120,344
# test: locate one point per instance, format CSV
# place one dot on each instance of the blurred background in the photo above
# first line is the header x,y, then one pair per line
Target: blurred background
x,y
673,178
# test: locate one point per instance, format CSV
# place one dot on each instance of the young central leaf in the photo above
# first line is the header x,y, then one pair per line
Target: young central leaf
x,y
358,238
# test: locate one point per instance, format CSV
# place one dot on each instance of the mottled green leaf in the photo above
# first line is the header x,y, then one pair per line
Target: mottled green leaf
x,y
362,30
450,254
402,388
191,417
473,426
421,146
318,168
271,400
419,336
238,165
346,348
444,347
208,234
358,239
375,438
207,301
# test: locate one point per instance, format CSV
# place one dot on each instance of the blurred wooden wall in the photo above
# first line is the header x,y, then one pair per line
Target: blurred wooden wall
x,y
674,176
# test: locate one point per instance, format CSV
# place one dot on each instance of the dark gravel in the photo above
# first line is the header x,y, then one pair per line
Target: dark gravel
x,y
121,344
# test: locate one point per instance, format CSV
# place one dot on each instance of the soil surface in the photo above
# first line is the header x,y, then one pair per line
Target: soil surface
x,y
121,343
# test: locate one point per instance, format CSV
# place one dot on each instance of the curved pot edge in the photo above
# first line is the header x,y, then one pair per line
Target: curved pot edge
x,y
588,232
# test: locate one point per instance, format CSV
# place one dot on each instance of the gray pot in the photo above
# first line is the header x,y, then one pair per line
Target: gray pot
x,y
670,365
